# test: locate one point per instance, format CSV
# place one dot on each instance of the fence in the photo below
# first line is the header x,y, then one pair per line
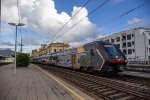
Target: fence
x,y
139,65
139,61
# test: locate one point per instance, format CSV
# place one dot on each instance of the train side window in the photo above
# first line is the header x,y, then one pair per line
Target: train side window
x,y
92,52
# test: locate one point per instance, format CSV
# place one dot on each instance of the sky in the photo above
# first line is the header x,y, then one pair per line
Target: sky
x,y
44,20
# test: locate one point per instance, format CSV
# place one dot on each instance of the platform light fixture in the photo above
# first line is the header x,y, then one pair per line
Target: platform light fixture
x,y
16,25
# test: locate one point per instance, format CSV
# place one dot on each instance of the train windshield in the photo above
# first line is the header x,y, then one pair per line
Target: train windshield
x,y
112,52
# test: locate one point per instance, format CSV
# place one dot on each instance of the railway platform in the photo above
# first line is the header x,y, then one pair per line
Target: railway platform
x,y
136,74
33,83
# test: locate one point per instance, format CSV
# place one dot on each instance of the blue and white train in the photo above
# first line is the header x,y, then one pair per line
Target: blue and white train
x,y
100,56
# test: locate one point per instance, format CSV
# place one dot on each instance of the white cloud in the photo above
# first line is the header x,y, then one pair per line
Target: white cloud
x,y
5,31
134,21
41,16
6,43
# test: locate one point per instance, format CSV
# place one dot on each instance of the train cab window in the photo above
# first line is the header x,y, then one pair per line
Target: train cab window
x,y
112,52
92,52
118,45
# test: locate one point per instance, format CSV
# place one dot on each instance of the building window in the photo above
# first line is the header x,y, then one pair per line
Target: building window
x,y
129,37
118,45
118,39
125,52
60,50
123,38
112,40
129,44
129,51
54,50
132,35
124,45
132,42
133,50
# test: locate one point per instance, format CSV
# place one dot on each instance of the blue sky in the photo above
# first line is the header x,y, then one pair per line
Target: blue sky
x,y
48,16
111,10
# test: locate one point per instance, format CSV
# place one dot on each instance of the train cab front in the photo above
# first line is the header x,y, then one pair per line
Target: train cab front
x,y
115,58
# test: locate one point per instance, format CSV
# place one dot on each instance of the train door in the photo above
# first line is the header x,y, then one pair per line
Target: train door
x,y
73,57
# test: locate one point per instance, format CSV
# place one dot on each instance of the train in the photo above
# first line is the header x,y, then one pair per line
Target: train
x,y
97,56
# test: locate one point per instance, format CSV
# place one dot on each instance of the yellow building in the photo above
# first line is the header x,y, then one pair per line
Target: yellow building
x,y
55,47
47,49
35,52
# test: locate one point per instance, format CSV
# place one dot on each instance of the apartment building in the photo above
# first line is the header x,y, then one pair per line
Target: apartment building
x,y
50,48
134,43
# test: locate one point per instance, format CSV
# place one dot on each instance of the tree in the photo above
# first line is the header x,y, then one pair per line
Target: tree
x,y
23,60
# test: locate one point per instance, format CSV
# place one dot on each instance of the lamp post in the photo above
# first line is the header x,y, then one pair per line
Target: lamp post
x,y
14,24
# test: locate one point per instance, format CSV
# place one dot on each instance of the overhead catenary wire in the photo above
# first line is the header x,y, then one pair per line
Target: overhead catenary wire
x,y
106,34
109,22
128,25
114,25
82,19
71,18
147,19
129,11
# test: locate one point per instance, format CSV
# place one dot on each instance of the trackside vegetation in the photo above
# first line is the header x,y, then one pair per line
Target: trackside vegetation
x,y
23,60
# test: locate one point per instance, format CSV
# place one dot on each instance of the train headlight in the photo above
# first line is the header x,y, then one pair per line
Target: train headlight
x,y
125,61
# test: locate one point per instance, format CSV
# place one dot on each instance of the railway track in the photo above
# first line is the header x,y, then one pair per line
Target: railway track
x,y
109,89
134,80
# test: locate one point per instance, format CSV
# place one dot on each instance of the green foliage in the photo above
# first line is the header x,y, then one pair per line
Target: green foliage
x,y
23,60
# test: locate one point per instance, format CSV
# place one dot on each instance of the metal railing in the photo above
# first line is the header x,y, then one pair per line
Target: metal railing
x,y
142,65
139,61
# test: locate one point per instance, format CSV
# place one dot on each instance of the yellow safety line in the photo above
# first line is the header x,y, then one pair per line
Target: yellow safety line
x,y
66,88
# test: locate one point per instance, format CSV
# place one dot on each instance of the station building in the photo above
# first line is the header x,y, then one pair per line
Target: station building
x,y
50,48
134,43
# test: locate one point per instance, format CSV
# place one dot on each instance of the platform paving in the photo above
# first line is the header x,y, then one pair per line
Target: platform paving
x,y
29,84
